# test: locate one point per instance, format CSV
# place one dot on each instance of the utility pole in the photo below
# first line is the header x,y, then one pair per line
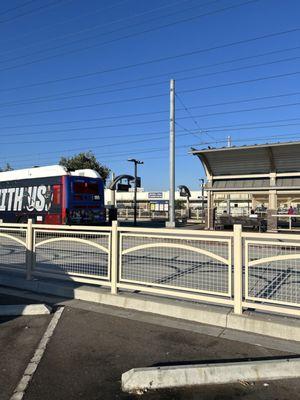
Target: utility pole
x,y
229,143
136,162
171,222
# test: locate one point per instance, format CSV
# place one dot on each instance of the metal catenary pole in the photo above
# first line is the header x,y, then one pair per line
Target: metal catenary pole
x,y
135,192
171,222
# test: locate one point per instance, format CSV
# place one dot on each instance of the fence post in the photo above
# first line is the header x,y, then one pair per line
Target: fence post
x,y
238,268
29,250
114,257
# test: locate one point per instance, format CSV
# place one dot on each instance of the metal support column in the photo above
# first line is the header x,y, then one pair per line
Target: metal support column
x,y
171,222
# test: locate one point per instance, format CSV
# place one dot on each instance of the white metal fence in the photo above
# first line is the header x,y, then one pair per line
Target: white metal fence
x,y
238,269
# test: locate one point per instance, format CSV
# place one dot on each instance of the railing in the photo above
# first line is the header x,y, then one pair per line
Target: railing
x,y
128,213
292,221
272,272
237,269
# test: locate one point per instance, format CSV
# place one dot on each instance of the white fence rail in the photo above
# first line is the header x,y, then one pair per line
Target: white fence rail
x,y
237,269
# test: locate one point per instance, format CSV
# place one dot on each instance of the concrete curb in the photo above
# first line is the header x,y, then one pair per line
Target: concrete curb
x,y
143,379
276,326
24,309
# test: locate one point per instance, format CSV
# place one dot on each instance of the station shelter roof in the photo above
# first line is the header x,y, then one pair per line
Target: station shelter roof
x,y
251,160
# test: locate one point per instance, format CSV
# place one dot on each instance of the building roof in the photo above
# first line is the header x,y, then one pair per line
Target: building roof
x,y
251,160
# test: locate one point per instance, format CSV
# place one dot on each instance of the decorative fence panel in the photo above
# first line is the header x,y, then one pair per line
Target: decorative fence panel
x,y
13,244
182,263
272,272
237,269
73,253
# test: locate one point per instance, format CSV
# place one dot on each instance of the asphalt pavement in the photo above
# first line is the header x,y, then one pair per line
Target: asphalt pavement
x,y
89,351
19,337
93,345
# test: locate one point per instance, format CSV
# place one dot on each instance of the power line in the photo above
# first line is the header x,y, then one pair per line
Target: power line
x,y
129,66
128,36
64,22
250,124
240,82
114,117
103,25
40,99
33,11
189,131
162,149
151,97
245,110
158,120
192,118
153,121
160,137
113,155
87,105
97,127
16,7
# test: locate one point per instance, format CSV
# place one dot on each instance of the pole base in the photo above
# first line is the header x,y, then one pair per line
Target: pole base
x,y
170,224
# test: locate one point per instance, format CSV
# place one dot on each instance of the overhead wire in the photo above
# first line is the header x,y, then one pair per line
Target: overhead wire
x,y
101,34
24,4
127,135
166,148
60,96
158,120
158,135
127,36
33,11
151,96
64,22
157,60
192,117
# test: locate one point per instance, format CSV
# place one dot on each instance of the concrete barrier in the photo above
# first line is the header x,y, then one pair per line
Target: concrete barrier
x,y
24,309
276,326
144,379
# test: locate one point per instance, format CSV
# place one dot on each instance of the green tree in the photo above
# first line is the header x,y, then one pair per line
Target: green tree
x,y
179,204
85,160
7,167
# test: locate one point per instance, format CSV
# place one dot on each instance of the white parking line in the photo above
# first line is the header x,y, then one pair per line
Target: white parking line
x,y
34,362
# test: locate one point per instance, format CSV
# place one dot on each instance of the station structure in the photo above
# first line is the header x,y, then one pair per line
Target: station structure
x,y
154,200
244,179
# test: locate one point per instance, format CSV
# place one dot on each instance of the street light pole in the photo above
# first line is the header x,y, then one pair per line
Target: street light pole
x,y
171,222
136,162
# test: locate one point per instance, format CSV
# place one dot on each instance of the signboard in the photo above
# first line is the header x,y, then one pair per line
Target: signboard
x,y
159,205
155,195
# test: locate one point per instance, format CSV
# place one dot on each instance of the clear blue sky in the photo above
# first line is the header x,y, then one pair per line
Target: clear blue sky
x,y
54,40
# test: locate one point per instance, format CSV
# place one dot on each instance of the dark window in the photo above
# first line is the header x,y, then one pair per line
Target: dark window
x,y
85,188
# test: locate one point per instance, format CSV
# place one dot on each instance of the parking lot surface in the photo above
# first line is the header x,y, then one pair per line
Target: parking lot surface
x,y
19,337
89,351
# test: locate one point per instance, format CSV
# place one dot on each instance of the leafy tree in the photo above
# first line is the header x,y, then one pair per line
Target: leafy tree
x,y
179,204
85,160
7,167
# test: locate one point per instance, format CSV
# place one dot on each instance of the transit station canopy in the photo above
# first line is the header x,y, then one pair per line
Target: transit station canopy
x,y
251,160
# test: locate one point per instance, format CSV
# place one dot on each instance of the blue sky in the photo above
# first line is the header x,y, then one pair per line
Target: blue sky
x,y
69,84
